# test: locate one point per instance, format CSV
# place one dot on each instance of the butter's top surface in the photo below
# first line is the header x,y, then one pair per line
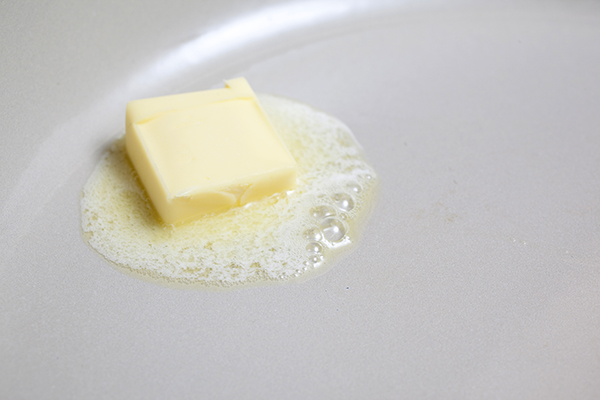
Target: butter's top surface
x,y
204,152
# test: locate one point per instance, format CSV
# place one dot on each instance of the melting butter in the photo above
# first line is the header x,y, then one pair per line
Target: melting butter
x,y
204,152
288,236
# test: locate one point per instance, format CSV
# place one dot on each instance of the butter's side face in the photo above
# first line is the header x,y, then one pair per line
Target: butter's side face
x,y
205,152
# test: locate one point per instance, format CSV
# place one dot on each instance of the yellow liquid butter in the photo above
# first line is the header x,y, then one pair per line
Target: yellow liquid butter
x,y
284,237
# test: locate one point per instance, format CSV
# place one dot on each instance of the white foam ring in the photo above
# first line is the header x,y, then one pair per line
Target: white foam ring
x,y
262,241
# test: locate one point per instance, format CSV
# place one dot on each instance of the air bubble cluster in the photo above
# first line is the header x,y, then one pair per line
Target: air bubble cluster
x,y
331,222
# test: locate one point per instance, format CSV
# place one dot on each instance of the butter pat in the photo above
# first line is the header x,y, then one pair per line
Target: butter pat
x,y
205,152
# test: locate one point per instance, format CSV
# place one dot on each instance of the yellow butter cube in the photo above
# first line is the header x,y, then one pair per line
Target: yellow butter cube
x,y
205,152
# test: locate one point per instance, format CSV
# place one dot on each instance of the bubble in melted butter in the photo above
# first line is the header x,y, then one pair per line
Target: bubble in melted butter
x,y
287,236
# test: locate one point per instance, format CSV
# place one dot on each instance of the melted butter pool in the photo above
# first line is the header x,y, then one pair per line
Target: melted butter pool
x,y
286,237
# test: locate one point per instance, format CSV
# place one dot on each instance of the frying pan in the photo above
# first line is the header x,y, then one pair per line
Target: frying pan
x,y
477,275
